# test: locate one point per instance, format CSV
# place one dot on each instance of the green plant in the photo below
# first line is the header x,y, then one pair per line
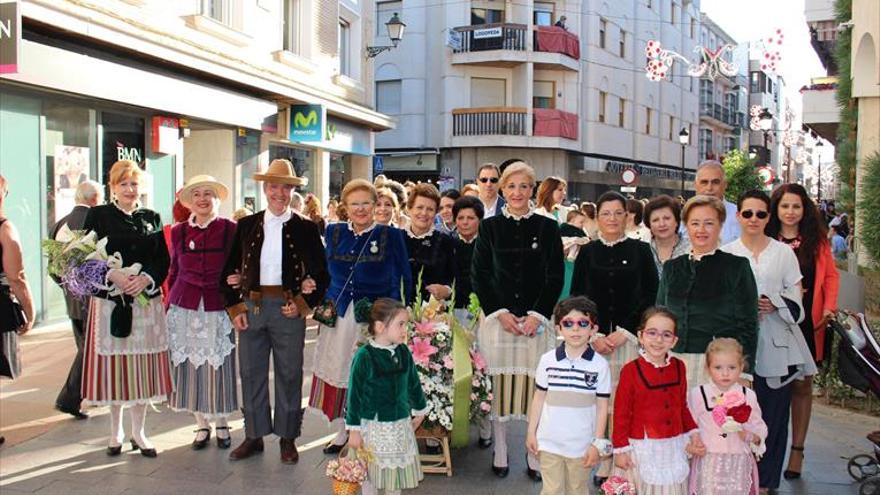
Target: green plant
x,y
869,205
741,175
845,148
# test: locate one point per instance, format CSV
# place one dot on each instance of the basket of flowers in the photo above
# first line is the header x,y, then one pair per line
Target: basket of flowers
x,y
347,473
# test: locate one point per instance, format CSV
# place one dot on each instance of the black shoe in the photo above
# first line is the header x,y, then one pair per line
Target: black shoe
x,y
200,444
333,449
598,480
114,451
485,443
223,443
501,472
790,474
534,474
144,452
76,413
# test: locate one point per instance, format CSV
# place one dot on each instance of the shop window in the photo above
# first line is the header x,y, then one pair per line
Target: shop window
x,y
543,94
388,95
487,92
301,159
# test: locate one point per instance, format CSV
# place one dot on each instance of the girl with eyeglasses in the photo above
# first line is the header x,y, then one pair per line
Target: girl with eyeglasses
x,y
653,428
795,220
782,354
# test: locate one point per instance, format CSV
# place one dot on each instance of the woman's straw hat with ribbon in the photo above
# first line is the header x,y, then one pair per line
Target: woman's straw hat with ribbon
x,y
185,194
281,171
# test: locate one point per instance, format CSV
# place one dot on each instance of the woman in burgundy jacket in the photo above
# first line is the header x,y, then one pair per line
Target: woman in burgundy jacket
x,y
200,333
796,221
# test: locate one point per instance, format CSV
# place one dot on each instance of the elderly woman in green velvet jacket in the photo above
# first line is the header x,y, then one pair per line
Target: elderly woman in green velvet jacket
x,y
713,293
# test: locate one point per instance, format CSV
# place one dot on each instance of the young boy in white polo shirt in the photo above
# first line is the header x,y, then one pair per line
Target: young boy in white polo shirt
x,y
572,384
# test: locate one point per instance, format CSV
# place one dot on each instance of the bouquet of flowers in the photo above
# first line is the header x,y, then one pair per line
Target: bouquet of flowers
x,y
618,485
348,474
731,412
80,260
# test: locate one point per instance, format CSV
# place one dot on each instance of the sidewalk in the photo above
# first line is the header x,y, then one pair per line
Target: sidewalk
x,y
50,453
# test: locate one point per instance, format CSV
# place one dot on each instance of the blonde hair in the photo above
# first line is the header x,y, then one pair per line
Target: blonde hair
x,y
722,345
312,207
517,168
384,192
704,200
470,188
124,169
357,185
241,213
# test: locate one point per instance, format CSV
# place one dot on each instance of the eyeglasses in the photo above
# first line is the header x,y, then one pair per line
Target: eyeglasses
x,y
569,323
355,206
493,180
654,334
761,214
609,214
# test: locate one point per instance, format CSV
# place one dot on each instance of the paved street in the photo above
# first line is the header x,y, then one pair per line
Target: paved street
x,y
47,453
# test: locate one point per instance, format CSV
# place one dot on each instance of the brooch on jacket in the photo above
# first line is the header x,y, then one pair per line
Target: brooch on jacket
x,y
534,243
373,247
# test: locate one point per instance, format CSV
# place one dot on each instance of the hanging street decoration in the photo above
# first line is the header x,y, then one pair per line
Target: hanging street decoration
x,y
755,120
770,51
710,65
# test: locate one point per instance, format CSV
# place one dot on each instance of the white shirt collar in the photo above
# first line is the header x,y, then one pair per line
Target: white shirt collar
x,y
508,214
137,206
390,348
272,218
192,221
665,362
608,243
697,257
412,235
474,238
351,228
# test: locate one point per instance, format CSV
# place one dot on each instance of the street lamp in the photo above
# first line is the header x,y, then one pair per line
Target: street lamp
x,y
395,31
765,123
819,153
684,138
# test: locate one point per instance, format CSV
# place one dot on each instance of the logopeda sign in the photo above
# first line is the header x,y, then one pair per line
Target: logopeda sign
x,y
10,37
307,123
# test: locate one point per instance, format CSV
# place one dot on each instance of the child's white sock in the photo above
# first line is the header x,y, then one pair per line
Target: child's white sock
x,y
500,430
117,432
368,489
220,422
533,462
341,433
485,428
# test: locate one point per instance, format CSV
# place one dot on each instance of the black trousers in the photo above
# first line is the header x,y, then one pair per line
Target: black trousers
x,y
775,408
70,396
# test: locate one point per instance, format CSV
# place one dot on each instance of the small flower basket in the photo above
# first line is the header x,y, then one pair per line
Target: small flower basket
x,y
347,473
618,485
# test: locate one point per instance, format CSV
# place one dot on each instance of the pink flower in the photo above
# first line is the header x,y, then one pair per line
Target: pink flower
x,y
447,362
489,396
485,406
479,360
422,350
425,328
732,398
719,415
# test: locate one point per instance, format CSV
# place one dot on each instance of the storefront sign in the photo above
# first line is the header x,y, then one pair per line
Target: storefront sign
x,y
480,34
629,176
10,37
166,134
345,137
123,138
307,123
616,167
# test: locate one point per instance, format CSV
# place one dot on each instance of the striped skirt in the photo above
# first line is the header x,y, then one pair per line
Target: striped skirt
x,y
395,463
327,400
513,396
129,375
206,390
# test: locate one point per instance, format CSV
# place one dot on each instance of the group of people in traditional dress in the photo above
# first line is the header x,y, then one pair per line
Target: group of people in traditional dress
x,y
661,322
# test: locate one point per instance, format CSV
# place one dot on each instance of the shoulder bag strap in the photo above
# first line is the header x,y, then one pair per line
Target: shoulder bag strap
x,y
356,261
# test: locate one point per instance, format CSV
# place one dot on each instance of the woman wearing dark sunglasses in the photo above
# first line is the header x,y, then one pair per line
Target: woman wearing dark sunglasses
x,y
782,355
796,221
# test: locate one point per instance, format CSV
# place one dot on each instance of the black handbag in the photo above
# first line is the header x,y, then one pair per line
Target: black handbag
x,y
11,313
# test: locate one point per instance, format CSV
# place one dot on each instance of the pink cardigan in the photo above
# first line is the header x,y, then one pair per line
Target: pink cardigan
x,y
825,290
710,432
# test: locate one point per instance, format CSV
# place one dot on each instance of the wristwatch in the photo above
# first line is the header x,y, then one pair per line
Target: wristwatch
x,y
603,445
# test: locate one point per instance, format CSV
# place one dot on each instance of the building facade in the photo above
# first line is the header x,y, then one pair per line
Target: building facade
x,y
723,101
490,81
183,88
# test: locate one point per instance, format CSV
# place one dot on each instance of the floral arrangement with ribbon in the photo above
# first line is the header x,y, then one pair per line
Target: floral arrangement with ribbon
x,y
348,472
731,412
618,485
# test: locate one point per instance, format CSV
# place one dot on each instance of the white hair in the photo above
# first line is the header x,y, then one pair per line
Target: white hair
x,y
87,191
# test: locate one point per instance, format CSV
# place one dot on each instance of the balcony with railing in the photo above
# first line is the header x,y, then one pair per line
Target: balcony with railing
x,y
514,126
720,115
507,45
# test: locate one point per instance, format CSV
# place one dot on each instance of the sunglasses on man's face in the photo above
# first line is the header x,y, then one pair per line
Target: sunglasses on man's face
x,y
761,214
569,323
493,180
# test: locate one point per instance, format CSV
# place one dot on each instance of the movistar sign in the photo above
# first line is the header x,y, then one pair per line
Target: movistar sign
x,y
307,122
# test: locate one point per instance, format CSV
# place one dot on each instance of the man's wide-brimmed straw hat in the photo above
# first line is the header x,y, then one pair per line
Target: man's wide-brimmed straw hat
x,y
185,194
281,171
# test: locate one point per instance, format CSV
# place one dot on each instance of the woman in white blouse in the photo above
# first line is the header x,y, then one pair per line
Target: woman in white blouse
x,y
782,354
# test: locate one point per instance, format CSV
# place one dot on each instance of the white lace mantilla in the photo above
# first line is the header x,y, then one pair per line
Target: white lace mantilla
x,y
392,443
199,336
148,331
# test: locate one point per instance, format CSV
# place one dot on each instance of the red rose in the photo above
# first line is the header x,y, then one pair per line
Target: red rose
x,y
740,413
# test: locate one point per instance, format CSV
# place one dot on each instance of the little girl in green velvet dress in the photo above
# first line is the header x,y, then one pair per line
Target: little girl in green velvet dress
x,y
385,403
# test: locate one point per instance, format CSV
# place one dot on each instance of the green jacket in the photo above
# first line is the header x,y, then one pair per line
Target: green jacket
x,y
383,386
714,297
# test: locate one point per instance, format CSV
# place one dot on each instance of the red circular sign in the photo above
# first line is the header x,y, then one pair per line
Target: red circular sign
x,y
629,176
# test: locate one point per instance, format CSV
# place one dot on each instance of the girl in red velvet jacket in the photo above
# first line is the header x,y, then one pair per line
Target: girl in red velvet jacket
x,y
653,428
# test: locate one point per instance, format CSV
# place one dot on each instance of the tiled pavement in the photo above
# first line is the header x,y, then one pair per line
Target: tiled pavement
x,y
47,453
